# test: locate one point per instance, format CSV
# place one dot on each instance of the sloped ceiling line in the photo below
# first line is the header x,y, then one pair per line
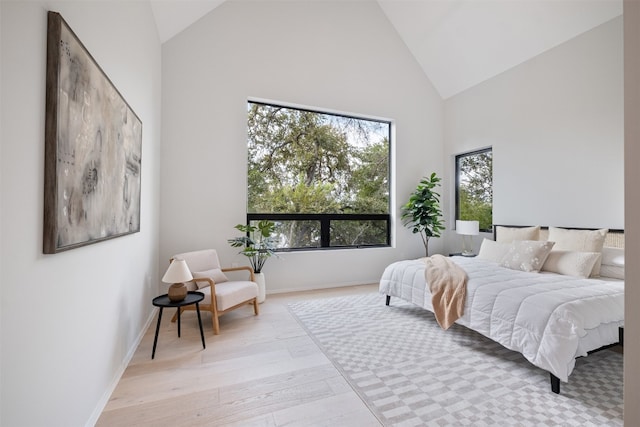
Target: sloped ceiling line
x,y
458,43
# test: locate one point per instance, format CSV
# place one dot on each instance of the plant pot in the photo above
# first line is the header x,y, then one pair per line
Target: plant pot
x,y
262,290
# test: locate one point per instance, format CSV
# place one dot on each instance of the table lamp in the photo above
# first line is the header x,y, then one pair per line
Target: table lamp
x,y
177,273
467,229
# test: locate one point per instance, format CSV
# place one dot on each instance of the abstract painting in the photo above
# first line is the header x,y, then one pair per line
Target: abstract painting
x,y
93,149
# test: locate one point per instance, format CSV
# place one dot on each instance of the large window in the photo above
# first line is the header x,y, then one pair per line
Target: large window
x,y
322,178
474,187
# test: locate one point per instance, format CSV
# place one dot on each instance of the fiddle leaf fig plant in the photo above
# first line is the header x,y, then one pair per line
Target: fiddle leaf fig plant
x,y
422,212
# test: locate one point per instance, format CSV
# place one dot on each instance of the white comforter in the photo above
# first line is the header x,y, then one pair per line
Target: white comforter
x,y
541,315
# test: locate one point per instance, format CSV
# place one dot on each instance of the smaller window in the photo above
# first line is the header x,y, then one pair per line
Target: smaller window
x,y
474,187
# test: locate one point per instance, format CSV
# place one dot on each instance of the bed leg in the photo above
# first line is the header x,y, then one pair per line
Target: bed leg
x,y
388,299
555,384
621,336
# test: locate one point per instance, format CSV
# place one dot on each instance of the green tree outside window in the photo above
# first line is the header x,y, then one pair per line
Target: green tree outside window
x,y
309,162
474,180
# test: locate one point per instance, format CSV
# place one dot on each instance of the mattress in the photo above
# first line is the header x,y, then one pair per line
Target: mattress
x,y
549,318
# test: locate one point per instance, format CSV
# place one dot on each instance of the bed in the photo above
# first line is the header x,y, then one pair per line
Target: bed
x,y
569,306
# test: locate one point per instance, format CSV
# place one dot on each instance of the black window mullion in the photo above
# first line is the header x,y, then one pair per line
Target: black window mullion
x,y
325,232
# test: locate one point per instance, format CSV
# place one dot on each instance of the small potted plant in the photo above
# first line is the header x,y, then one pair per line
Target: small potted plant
x,y
422,212
258,245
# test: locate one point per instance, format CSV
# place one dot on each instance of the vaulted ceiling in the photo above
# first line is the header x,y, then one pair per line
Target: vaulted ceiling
x,y
458,43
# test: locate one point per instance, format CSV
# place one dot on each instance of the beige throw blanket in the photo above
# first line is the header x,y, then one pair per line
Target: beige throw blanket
x,y
448,285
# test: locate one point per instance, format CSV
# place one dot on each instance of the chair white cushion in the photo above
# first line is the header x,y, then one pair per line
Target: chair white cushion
x,y
203,260
233,293
215,274
207,295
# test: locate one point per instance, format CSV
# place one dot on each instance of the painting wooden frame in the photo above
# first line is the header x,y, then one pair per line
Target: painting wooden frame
x,y
93,149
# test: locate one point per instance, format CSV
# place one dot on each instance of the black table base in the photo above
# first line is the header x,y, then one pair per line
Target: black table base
x,y
163,302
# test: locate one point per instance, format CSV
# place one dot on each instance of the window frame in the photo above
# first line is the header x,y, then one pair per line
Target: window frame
x,y
325,227
457,181
325,218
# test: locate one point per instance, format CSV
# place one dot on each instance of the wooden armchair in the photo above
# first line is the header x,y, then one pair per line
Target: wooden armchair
x,y
209,278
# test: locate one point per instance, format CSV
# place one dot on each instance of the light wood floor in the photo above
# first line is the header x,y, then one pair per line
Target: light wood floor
x,y
260,371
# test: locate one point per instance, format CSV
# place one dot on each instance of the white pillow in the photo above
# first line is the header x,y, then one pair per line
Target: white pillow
x,y
493,251
613,256
579,240
527,255
613,271
612,263
215,274
510,234
570,263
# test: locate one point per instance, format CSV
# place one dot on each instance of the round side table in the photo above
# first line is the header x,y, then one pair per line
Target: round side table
x,y
163,302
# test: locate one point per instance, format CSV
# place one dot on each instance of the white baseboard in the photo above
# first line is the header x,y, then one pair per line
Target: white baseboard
x,y
116,378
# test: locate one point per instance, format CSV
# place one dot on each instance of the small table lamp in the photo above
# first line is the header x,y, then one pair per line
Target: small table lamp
x,y
177,273
467,229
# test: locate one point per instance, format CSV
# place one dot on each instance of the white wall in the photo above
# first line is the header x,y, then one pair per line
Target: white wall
x,y
1,215
70,321
342,56
556,126
632,212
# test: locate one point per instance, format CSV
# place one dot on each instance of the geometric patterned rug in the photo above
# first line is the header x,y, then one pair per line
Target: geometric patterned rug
x,y
409,372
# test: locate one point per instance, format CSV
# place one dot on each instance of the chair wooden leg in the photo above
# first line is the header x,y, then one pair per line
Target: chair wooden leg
x,y
216,323
256,310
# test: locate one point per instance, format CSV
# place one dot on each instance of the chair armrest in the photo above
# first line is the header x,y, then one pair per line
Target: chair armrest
x,y
246,267
206,279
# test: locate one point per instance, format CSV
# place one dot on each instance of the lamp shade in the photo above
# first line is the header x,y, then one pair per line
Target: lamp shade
x,y
467,228
177,272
